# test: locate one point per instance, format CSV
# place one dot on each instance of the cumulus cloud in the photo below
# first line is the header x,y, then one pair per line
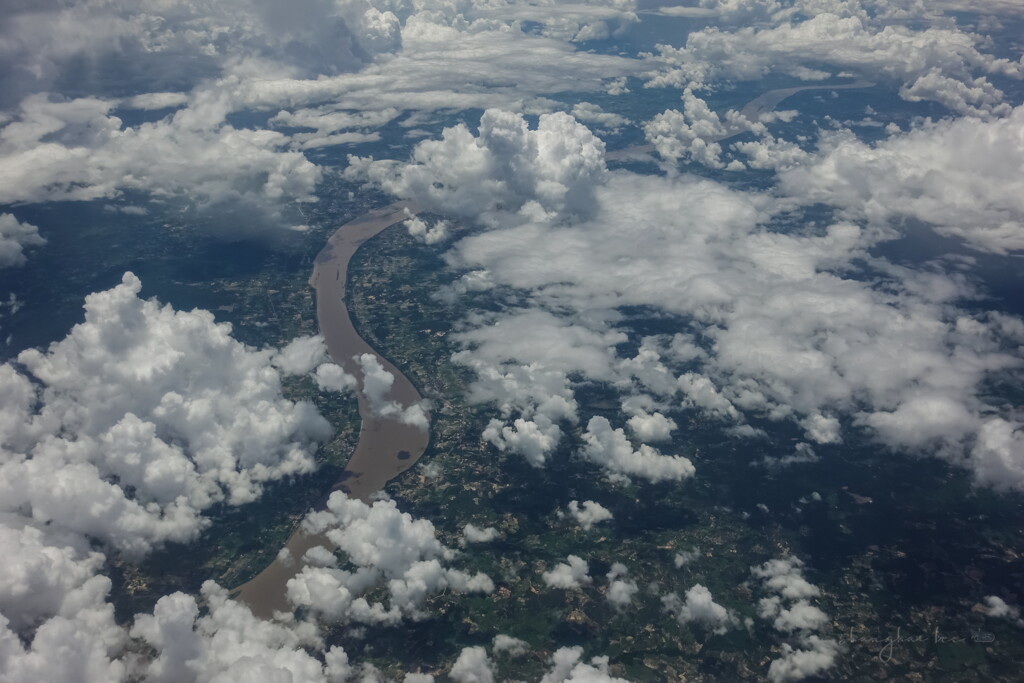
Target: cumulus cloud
x,y
612,450
700,608
620,591
573,573
143,418
474,534
15,236
78,150
651,427
151,45
426,233
802,453
130,428
551,169
703,252
950,174
586,112
332,377
513,646
788,606
532,439
686,557
377,382
785,577
693,133
229,643
588,513
815,657
472,666
566,667
997,607
389,549
800,326
936,63
301,355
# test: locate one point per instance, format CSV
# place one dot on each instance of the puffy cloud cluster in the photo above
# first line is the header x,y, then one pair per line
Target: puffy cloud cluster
x,y
153,45
611,449
620,590
796,325
934,63
550,170
951,174
15,236
387,548
700,608
429,234
588,513
693,133
78,150
305,355
997,607
472,666
573,573
377,382
572,21
566,667
228,643
125,432
788,606
474,534
143,417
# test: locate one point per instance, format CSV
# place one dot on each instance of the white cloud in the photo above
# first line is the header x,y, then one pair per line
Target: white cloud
x,y
651,427
620,591
77,150
566,667
389,549
428,234
144,418
151,44
700,608
551,169
474,534
933,63
686,557
802,453
229,643
693,133
785,577
817,656
472,666
377,382
532,439
573,573
586,112
951,174
804,326
997,607
513,646
15,236
789,608
301,355
332,377
588,513
613,451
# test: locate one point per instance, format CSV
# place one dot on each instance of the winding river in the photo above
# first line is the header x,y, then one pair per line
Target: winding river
x,y
388,447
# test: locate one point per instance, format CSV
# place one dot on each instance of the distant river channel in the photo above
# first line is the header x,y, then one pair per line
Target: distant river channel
x,y
388,447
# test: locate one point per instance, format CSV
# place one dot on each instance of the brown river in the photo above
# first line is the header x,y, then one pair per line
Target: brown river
x,y
387,447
